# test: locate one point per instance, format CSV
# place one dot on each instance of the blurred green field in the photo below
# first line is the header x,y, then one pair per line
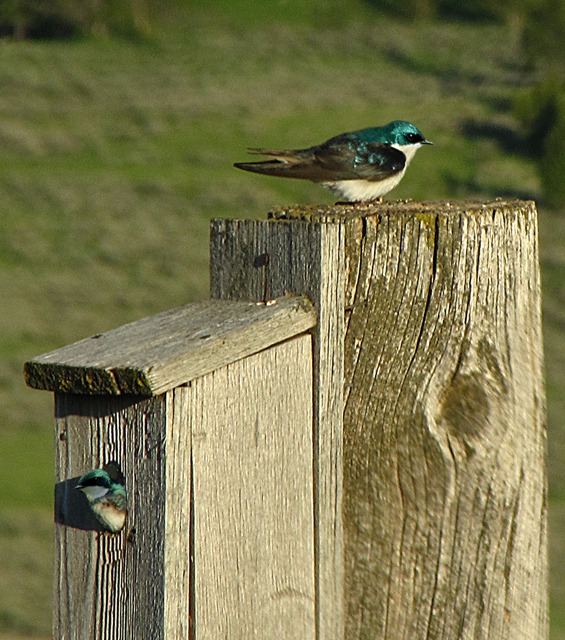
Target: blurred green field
x,y
116,154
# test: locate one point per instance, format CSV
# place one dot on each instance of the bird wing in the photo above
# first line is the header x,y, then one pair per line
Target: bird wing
x,y
281,154
367,161
340,158
117,499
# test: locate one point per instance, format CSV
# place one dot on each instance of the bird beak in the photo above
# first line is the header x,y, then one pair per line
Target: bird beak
x,y
426,142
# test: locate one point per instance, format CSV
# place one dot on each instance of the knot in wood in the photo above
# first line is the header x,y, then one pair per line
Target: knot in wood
x,y
466,406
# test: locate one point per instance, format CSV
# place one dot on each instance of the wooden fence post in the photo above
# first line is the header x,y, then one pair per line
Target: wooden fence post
x,y
208,411
430,478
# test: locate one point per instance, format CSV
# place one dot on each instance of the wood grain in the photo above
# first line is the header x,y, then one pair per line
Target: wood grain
x,y
443,469
220,521
178,607
258,260
445,504
158,353
253,497
105,584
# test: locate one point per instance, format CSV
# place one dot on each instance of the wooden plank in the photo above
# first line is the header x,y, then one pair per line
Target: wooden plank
x,y
253,497
444,490
178,571
258,260
136,584
111,586
444,496
164,351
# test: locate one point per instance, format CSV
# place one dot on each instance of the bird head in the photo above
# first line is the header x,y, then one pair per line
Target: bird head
x,y
95,484
402,133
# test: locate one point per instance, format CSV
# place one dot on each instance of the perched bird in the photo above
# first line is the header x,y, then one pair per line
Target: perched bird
x,y
358,166
106,494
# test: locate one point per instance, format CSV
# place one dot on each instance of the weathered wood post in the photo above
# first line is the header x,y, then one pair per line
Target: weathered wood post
x,y
208,411
430,485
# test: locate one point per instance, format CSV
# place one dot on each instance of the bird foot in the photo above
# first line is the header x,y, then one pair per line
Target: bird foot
x,y
365,203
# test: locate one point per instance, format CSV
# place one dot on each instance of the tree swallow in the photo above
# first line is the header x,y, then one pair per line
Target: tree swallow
x,y
358,166
106,494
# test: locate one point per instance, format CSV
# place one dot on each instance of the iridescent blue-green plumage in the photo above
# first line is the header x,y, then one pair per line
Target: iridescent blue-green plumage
x,y
360,165
106,494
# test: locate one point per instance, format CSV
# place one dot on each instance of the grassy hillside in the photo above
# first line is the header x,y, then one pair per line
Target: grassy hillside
x,y
115,155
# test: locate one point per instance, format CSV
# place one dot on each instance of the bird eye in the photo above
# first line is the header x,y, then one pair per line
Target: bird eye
x,y
414,137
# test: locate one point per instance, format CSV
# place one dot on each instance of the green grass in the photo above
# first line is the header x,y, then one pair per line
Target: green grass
x,y
115,155
26,550
557,566
28,484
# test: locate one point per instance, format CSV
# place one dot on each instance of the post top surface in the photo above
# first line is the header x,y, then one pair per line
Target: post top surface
x,y
342,212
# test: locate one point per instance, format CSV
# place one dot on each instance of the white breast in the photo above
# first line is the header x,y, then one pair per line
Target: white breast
x,y
408,150
110,516
364,190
